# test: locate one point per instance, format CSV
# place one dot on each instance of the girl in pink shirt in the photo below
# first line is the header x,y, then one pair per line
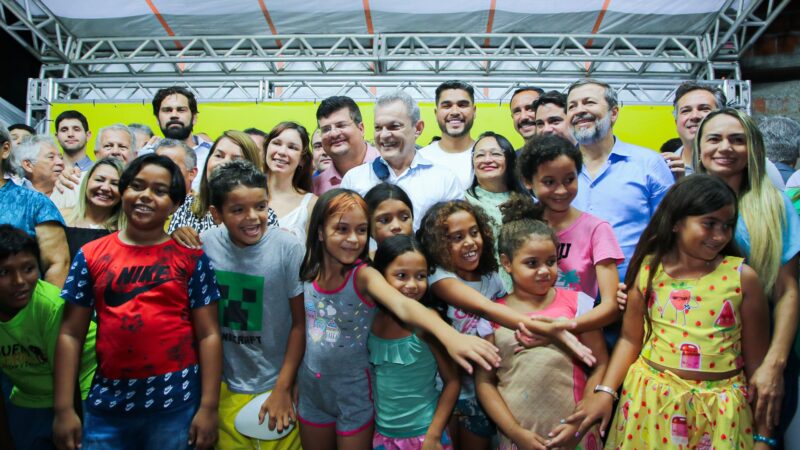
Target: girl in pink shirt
x,y
588,252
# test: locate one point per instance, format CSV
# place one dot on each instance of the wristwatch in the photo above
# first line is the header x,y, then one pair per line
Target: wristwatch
x,y
607,390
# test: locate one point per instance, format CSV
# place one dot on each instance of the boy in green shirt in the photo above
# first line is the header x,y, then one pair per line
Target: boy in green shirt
x,y
30,317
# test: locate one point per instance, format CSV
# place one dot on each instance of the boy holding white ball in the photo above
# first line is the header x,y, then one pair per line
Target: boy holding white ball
x,y
261,312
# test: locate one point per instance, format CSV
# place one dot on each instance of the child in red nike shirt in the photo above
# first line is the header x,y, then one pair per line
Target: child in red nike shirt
x,y
158,339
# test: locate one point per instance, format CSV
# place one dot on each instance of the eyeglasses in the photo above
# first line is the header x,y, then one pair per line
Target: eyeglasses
x,y
328,129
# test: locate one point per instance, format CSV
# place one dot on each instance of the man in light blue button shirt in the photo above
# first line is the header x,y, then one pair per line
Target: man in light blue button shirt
x,y
397,127
620,183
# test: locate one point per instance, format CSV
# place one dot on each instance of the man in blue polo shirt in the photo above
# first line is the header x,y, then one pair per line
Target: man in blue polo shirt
x,y
619,182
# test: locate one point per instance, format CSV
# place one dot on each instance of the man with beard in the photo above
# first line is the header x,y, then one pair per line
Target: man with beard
x,y
72,133
455,114
522,111
175,109
619,182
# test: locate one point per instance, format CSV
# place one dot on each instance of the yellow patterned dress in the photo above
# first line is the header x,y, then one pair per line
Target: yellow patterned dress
x,y
696,326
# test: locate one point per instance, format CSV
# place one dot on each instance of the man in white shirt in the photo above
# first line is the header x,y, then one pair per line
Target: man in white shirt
x,y
455,114
397,127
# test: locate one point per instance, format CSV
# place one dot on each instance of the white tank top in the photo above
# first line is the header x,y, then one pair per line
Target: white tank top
x,y
297,220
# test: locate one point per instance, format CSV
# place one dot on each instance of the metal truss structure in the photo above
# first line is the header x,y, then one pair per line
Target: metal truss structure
x,y
645,67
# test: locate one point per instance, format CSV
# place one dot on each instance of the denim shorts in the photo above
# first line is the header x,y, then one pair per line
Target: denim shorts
x,y
471,416
163,430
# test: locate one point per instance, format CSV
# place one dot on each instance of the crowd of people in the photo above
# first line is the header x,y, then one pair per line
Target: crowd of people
x,y
288,289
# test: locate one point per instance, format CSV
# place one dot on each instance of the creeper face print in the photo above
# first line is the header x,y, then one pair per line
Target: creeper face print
x,y
242,304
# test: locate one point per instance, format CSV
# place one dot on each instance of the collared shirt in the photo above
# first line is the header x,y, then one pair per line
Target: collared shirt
x,y
331,178
425,183
201,149
84,163
625,192
30,208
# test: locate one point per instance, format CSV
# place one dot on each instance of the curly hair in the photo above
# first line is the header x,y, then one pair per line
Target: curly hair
x,y
432,235
521,219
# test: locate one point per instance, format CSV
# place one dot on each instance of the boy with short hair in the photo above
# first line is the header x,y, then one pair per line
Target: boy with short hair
x,y
261,309
159,353
30,316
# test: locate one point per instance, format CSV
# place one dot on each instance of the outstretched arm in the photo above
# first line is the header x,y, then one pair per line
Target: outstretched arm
x,y
460,347
607,312
458,294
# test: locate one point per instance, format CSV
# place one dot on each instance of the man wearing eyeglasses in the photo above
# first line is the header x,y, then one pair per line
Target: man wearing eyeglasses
x,y
342,130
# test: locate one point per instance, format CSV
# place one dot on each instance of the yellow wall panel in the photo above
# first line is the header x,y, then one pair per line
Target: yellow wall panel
x,y
644,125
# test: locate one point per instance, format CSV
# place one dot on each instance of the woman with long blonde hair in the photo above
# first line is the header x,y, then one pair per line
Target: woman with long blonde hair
x,y
729,145
97,212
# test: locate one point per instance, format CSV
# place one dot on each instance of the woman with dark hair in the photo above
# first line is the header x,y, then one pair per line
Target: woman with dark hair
x,y
494,162
289,167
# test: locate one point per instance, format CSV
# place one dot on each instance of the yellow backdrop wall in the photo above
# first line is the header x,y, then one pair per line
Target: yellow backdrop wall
x,y
644,125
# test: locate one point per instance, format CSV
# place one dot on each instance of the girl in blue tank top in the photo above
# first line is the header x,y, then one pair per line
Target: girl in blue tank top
x,y
410,412
335,403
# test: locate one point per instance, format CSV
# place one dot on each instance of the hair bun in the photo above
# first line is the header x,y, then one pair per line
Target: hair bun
x,y
520,207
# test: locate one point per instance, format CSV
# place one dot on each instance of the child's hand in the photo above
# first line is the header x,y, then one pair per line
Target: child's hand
x,y
187,237
597,406
67,431
432,441
203,431
622,296
560,334
528,339
564,435
528,440
473,348
280,410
